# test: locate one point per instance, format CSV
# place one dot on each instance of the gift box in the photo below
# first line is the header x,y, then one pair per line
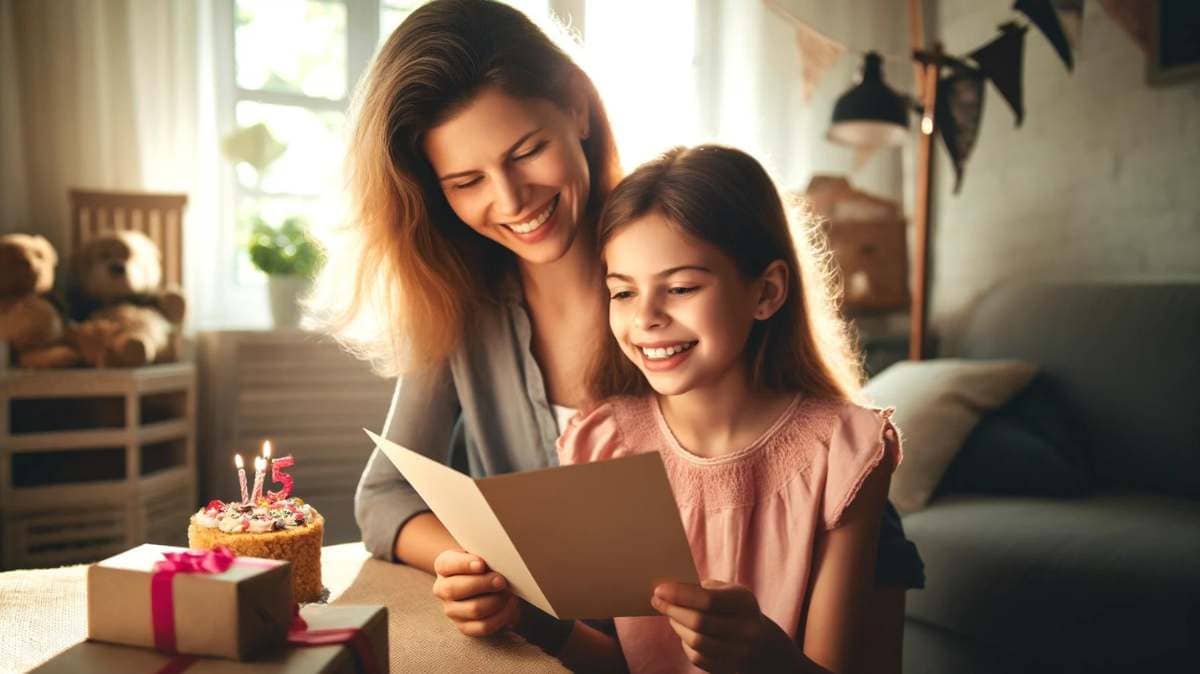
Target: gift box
x,y
180,601
335,640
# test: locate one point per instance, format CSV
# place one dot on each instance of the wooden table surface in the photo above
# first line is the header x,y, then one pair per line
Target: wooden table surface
x,y
44,611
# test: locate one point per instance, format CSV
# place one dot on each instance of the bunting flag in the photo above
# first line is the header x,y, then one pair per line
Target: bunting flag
x,y
1070,17
818,53
958,113
1001,61
1042,14
1135,16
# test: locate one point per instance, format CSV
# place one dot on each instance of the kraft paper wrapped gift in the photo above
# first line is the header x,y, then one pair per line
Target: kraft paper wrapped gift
x,y
234,613
368,624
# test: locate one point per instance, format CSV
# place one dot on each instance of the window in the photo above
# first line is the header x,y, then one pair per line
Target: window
x,y
290,66
646,72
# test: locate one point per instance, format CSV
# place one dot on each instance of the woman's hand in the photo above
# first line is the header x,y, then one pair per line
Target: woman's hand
x,y
479,602
722,628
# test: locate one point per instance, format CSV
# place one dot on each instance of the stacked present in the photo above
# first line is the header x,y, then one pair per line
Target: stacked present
x,y
175,610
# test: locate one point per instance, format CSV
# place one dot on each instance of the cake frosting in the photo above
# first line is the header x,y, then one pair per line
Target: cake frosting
x,y
235,517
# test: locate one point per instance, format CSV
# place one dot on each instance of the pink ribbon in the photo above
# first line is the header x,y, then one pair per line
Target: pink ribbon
x,y
360,645
162,595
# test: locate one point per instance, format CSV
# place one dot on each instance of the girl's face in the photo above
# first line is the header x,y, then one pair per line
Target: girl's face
x,y
514,171
678,306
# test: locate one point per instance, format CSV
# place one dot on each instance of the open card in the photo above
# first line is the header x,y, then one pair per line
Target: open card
x,y
583,541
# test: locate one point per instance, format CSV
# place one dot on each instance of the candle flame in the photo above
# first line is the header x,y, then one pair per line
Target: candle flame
x,y
237,461
259,463
266,449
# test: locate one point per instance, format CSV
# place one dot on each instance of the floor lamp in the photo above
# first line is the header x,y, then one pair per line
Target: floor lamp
x,y
871,115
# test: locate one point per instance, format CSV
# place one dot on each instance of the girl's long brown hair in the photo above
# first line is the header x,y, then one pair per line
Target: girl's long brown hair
x,y
724,197
412,270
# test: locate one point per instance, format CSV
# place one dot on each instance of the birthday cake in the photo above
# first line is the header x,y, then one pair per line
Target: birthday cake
x,y
285,528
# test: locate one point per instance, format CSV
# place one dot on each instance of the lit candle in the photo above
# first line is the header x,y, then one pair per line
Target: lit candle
x,y
266,449
237,460
260,465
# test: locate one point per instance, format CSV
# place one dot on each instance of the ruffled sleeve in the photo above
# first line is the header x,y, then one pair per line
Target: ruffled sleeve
x,y
591,436
861,441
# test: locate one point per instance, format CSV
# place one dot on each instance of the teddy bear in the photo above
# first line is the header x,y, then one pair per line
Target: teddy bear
x,y
29,321
127,319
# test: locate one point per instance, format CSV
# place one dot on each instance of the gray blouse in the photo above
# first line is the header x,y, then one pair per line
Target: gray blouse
x,y
489,402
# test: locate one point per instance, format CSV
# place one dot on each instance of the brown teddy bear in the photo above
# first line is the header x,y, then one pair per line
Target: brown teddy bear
x,y
128,318
29,322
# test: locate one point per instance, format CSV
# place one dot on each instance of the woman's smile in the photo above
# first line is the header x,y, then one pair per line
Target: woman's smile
x,y
539,225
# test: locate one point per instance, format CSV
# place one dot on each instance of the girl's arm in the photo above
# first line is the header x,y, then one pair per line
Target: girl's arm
x,y
590,650
843,580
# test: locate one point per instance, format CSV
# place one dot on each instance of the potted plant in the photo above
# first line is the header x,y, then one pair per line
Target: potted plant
x,y
290,258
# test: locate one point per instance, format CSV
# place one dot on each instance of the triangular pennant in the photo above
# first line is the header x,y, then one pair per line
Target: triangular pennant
x,y
818,53
1134,17
1043,16
958,112
1070,17
1002,62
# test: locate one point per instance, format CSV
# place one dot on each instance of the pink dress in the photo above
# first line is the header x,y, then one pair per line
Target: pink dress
x,y
751,516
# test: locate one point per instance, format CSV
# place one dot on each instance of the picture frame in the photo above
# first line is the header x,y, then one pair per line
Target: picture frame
x,y
1174,42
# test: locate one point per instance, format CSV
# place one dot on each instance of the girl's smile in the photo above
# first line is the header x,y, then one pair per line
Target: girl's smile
x,y
663,356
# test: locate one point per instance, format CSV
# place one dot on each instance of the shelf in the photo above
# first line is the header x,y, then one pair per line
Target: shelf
x,y
59,440
94,461
28,383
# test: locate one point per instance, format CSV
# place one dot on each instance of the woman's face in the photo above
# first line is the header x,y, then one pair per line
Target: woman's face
x,y
514,171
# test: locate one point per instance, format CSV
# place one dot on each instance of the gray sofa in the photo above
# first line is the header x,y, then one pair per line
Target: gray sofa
x,y
1106,582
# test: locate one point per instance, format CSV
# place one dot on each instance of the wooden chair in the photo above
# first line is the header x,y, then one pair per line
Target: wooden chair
x,y
158,216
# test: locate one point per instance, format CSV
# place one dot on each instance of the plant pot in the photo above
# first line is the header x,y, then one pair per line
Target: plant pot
x,y
285,292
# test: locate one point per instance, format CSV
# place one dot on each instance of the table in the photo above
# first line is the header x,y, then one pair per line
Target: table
x,y
44,611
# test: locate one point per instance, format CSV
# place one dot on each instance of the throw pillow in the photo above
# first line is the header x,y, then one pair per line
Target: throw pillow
x,y
937,404
1030,446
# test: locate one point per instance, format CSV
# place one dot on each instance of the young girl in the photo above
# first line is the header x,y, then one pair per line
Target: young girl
x,y
726,359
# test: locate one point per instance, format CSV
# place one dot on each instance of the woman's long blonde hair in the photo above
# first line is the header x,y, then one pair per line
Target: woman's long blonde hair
x,y
724,197
409,272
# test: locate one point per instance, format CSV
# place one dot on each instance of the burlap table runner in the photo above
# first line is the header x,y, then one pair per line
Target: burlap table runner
x,y
44,611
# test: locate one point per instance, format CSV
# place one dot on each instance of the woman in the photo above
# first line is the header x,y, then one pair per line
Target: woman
x,y
481,158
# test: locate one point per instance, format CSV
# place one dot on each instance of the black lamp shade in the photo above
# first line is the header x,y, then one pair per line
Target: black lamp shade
x,y
870,114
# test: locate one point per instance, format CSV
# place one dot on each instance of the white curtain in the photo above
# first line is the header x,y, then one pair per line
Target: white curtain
x,y
108,95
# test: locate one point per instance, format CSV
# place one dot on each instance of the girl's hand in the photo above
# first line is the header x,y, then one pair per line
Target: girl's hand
x,y
479,602
719,623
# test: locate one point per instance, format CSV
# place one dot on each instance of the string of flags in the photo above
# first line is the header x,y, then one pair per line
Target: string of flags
x,y
961,84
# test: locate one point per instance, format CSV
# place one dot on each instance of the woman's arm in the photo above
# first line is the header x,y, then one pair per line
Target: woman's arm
x,y
421,418
843,580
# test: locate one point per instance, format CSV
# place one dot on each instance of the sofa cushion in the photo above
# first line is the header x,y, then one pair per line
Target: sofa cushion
x,y
937,404
1125,354
1033,445
1110,580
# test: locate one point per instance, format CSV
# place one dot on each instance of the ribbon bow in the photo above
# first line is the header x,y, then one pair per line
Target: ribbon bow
x,y
162,596
299,636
